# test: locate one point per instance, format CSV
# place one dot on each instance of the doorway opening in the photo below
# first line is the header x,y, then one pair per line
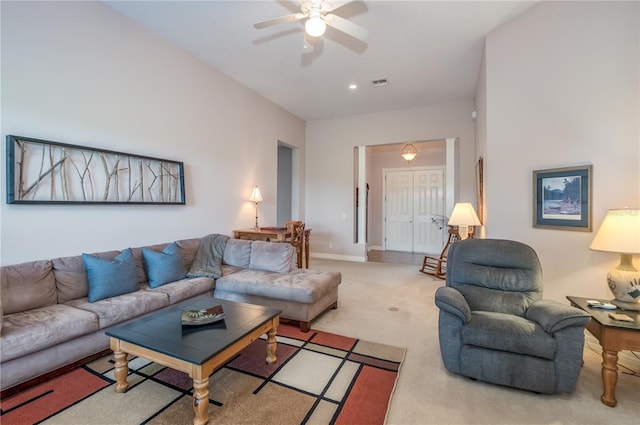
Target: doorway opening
x,y
288,188
370,163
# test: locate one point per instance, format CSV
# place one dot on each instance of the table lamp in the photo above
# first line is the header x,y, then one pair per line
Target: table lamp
x,y
256,197
620,232
465,217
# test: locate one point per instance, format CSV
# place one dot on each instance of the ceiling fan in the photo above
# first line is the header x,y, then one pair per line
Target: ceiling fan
x,y
318,14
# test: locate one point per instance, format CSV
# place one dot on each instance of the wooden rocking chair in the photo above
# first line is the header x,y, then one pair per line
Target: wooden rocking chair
x,y
437,266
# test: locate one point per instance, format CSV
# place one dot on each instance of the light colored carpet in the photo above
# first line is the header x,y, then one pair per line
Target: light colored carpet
x,y
394,304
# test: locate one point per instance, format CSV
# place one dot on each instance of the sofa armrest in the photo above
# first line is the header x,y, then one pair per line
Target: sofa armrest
x,y
553,316
452,301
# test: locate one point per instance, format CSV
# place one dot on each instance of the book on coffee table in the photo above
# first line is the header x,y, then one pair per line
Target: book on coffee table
x,y
203,316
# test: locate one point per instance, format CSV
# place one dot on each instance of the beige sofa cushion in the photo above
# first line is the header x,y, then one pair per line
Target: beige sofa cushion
x,y
27,332
71,276
189,249
27,286
272,257
301,285
114,310
237,253
185,288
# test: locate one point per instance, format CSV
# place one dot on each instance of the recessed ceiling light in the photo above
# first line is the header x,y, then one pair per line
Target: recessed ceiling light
x,y
353,86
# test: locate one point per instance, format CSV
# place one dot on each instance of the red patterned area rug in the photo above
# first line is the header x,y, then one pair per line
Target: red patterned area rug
x,y
319,378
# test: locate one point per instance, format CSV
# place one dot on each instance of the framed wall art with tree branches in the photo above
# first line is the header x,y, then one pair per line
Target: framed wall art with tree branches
x,y
45,172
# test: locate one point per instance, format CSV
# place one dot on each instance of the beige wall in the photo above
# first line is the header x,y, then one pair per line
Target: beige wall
x,y
78,72
562,89
330,143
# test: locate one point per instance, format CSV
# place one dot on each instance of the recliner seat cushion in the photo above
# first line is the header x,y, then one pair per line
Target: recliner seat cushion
x,y
509,333
301,285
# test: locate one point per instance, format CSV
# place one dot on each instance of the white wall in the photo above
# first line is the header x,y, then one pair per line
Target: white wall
x,y
78,72
562,89
329,172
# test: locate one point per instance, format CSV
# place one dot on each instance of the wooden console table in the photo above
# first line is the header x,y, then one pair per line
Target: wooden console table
x,y
274,234
613,336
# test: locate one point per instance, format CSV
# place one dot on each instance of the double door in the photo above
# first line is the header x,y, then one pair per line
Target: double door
x,y
414,210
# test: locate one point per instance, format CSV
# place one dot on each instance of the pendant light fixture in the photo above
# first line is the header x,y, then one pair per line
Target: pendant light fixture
x,y
409,152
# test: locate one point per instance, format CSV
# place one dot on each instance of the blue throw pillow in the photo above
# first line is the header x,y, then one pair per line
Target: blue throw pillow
x,y
108,278
163,267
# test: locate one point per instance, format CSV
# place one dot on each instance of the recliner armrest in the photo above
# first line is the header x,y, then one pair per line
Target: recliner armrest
x,y
452,301
553,316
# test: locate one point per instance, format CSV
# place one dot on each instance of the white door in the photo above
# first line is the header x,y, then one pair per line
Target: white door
x,y
399,211
428,205
414,198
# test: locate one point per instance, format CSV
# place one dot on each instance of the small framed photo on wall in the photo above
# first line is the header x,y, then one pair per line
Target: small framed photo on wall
x,y
562,198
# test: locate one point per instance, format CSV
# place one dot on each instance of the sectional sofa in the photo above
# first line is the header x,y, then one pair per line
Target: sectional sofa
x,y
51,316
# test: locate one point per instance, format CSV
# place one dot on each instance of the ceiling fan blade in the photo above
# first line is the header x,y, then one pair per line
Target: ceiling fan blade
x,y
280,20
335,5
347,27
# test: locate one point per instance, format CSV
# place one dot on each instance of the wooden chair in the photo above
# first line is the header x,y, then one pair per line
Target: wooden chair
x,y
297,238
437,266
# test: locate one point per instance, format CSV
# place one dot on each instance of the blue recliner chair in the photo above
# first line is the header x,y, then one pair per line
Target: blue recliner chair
x,y
494,326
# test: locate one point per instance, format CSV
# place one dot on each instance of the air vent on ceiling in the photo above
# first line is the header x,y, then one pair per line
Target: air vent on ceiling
x,y
379,82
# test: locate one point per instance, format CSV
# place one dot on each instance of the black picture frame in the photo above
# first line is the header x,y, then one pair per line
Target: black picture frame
x,y
46,172
562,198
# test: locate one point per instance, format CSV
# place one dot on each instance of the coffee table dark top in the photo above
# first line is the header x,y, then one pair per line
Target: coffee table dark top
x,y
163,332
602,316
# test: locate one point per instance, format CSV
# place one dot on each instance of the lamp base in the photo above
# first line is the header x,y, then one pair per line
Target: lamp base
x,y
624,281
624,305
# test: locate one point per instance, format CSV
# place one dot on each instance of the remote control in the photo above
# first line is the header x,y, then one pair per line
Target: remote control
x,y
600,304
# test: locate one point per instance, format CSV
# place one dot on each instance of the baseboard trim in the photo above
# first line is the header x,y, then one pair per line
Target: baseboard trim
x,y
326,256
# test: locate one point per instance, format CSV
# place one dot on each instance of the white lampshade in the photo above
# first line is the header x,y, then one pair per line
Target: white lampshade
x,y
315,25
463,216
620,232
256,196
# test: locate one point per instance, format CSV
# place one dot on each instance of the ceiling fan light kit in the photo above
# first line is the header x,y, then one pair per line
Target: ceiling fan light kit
x,y
318,15
315,25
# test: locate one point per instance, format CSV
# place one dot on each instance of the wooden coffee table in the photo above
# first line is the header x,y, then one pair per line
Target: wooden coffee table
x,y
613,336
197,351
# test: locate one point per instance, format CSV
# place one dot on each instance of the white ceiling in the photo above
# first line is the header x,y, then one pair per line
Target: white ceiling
x,y
430,51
